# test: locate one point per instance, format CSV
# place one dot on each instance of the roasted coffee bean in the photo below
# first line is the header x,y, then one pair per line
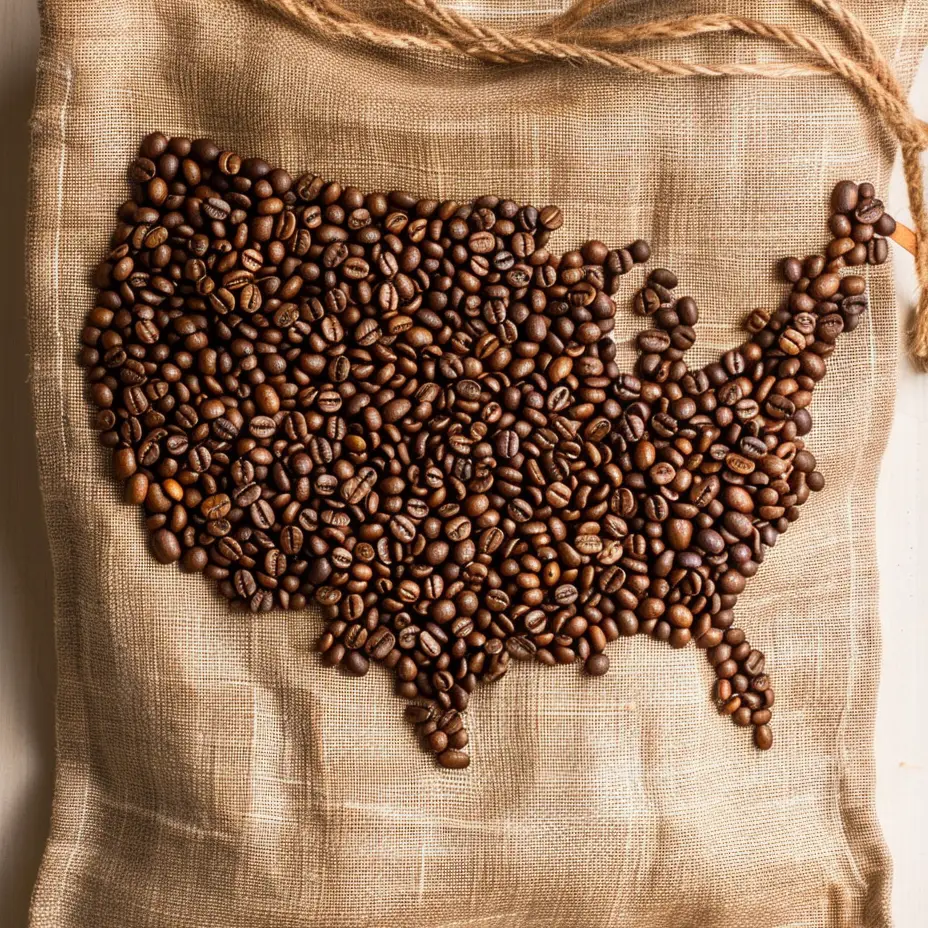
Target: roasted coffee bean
x,y
410,414
454,759
877,251
868,211
844,197
356,663
597,665
165,546
763,737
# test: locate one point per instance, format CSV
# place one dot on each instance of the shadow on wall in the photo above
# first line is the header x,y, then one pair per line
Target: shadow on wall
x,y
27,659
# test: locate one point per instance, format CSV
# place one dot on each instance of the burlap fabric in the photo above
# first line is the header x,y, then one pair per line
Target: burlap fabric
x,y
210,771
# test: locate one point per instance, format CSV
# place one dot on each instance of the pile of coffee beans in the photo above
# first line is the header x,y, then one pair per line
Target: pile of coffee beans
x,y
408,412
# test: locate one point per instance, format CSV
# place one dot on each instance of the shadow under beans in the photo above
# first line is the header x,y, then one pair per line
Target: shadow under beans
x,y
27,658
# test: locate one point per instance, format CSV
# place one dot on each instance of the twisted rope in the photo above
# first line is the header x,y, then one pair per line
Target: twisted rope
x,y
564,38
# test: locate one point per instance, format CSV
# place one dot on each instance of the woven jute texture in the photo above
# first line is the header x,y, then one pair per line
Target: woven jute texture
x,y
210,771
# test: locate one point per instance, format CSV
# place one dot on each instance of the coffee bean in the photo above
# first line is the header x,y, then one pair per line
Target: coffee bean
x,y
454,760
356,663
597,665
885,225
754,663
124,463
844,196
679,533
877,251
824,286
868,210
763,737
507,443
165,546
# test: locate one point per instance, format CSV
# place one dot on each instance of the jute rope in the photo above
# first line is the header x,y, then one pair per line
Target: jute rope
x,y
565,38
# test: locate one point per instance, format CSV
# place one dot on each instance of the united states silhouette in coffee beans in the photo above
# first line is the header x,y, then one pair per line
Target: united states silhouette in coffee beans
x,y
407,412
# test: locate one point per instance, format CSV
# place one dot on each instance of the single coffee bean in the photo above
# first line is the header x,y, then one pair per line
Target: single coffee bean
x,y
868,210
763,737
844,197
453,759
165,546
356,663
597,665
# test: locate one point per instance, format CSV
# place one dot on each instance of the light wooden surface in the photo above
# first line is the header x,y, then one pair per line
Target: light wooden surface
x,y
26,645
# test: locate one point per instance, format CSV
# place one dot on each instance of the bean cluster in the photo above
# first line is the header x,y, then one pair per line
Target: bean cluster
x,y
409,413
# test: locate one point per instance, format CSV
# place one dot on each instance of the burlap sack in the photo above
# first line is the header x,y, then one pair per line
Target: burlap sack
x,y
210,771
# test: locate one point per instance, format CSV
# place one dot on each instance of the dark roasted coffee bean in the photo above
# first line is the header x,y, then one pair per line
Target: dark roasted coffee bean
x,y
877,251
597,665
763,737
356,663
453,759
165,546
844,197
868,210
